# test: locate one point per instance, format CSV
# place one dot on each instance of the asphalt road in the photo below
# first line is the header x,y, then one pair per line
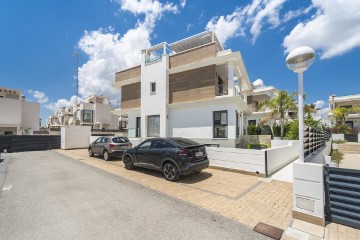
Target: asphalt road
x,y
49,196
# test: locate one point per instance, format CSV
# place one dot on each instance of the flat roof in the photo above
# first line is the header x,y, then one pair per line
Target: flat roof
x,y
345,98
196,41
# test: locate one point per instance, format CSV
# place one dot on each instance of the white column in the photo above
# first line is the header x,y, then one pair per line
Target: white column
x,y
230,79
242,124
301,116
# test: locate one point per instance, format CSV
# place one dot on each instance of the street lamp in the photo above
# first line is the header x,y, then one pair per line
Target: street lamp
x,y
298,61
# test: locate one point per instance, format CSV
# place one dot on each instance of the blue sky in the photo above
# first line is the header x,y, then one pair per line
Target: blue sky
x,y
38,39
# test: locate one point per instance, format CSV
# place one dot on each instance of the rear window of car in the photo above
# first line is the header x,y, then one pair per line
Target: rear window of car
x,y
120,140
184,142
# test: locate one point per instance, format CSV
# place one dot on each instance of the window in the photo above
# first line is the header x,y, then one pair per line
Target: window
x,y
138,127
98,140
120,140
153,126
144,146
220,124
153,88
161,144
221,85
87,116
252,122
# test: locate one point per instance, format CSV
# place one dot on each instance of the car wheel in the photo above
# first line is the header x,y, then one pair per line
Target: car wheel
x,y
129,165
106,155
170,172
91,154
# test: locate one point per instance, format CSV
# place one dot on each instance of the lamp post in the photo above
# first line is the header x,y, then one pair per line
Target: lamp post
x,y
299,60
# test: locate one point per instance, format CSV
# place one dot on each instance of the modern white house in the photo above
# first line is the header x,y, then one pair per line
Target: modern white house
x,y
348,101
94,111
192,88
16,114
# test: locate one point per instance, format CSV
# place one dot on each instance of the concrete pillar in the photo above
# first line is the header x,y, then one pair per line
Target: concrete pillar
x,y
231,79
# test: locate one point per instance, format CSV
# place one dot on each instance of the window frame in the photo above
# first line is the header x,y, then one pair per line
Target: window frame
x,y
152,92
83,115
226,135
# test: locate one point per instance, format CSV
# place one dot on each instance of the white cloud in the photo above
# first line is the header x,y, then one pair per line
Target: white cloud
x,y
296,13
322,112
252,17
182,3
152,9
188,26
60,103
110,52
39,96
333,30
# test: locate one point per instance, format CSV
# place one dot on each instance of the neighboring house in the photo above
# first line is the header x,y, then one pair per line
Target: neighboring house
x,y
353,119
191,88
94,111
16,114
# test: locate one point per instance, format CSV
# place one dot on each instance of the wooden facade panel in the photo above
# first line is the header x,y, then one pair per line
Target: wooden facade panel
x,y
130,96
128,73
195,55
193,85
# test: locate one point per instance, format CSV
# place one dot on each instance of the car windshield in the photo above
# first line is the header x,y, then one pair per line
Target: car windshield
x,y
184,142
120,140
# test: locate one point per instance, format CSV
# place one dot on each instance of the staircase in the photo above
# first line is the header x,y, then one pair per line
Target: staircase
x,y
349,147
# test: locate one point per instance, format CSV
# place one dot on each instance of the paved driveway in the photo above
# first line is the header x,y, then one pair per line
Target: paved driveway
x,y
244,198
47,195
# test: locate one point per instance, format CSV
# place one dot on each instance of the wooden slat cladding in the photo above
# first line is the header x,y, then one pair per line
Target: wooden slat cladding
x,y
194,55
192,85
130,96
128,73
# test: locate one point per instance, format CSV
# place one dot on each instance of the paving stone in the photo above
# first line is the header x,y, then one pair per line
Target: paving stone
x,y
312,229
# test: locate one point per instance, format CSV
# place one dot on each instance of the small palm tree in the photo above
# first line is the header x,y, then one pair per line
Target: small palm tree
x,y
340,114
27,130
279,106
310,109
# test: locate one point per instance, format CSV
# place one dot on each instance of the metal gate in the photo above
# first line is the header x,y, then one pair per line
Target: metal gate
x,y
342,190
351,137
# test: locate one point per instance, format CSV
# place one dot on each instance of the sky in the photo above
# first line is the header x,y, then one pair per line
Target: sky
x,y
38,40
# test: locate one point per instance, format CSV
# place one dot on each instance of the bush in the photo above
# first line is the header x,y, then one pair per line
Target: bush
x,y
293,131
252,130
265,130
337,157
276,130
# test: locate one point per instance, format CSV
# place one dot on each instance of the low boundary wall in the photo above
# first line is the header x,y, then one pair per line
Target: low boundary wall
x,y
22,143
255,162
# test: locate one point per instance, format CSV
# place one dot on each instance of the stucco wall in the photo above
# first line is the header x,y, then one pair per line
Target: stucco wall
x,y
278,157
75,137
10,110
30,116
246,139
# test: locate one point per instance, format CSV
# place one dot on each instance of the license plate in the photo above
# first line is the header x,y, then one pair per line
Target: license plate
x,y
199,154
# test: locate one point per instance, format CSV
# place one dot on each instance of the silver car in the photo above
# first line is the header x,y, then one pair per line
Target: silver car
x,y
109,146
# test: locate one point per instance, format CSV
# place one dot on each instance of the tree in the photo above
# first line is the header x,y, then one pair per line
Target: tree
x,y
340,114
310,109
278,106
27,130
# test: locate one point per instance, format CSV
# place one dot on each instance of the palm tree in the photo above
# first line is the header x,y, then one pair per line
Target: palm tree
x,y
310,109
279,106
340,115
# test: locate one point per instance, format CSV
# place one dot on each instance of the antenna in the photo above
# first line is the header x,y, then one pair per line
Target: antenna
x,y
76,54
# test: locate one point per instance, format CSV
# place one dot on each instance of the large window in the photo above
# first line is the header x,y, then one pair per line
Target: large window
x,y
87,116
153,126
220,124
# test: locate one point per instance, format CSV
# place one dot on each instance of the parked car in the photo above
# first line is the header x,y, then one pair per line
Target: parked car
x,y
172,156
109,146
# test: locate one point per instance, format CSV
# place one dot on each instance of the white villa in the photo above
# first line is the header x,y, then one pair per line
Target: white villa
x,y
16,114
94,111
191,88
353,119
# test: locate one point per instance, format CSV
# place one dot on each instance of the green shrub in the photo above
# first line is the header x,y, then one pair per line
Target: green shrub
x,y
251,129
293,130
276,130
257,146
265,130
337,157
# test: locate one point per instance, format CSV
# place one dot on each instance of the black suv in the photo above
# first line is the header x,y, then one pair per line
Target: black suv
x,y
172,156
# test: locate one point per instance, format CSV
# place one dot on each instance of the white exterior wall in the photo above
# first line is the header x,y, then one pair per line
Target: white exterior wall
x,y
279,157
132,123
241,159
154,104
10,110
197,121
30,116
308,189
75,137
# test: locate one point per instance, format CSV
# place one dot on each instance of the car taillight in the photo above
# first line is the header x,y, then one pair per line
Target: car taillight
x,y
112,145
129,144
182,152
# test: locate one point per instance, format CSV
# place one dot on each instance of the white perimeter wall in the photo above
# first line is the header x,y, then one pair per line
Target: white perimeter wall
x,y
337,137
132,123
279,157
75,137
308,189
30,116
240,159
197,121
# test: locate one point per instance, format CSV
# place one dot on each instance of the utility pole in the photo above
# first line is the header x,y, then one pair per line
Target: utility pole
x,y
76,54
